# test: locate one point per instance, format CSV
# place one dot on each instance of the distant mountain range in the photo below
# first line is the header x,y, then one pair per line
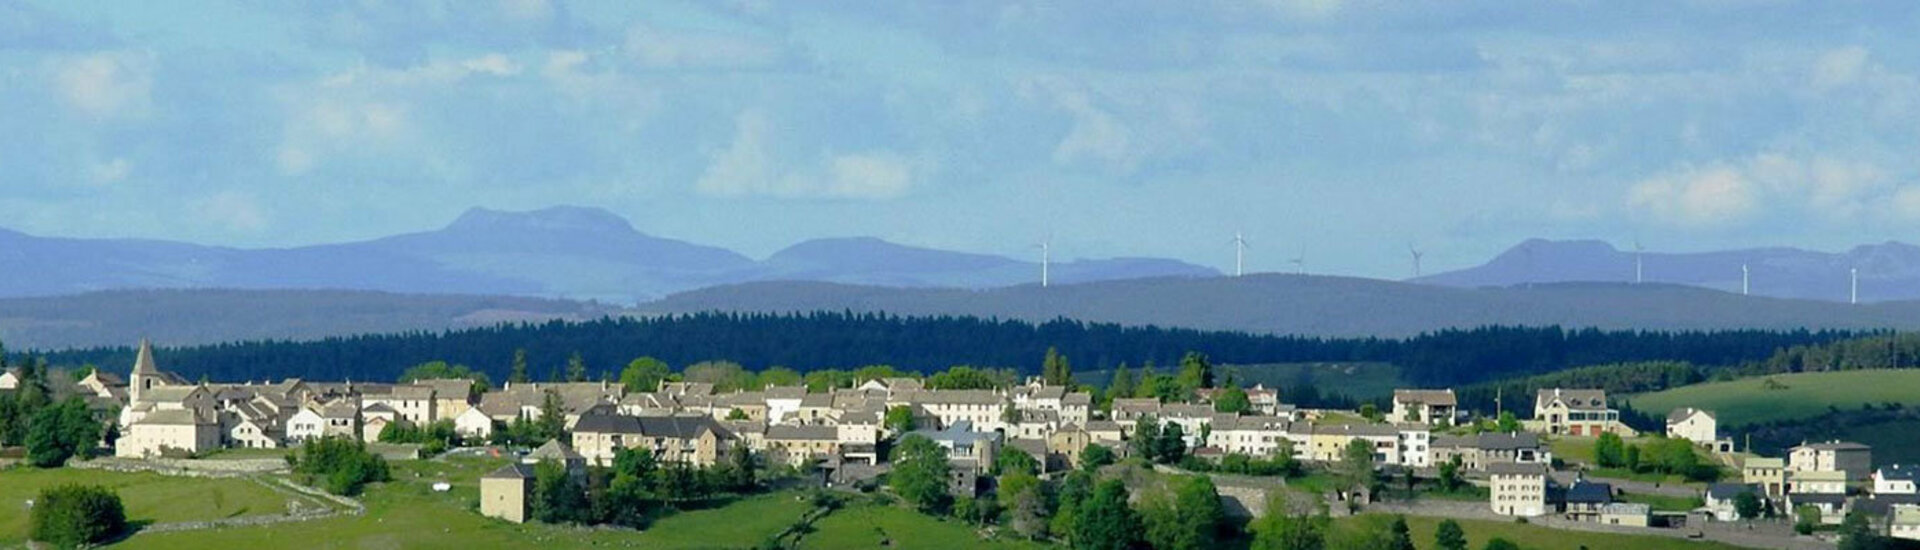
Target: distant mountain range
x,y
1264,303
1316,305
193,317
570,252
1888,271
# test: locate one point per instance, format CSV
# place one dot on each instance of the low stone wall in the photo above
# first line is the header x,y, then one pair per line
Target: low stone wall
x,y
186,467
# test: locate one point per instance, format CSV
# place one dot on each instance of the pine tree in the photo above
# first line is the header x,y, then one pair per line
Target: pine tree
x,y
519,370
1055,370
1449,536
1121,385
576,368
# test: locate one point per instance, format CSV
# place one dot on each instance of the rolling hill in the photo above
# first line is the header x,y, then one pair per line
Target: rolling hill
x,y
1888,271
1314,305
189,317
564,252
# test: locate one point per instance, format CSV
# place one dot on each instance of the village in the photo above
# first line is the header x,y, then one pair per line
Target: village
x,y
843,436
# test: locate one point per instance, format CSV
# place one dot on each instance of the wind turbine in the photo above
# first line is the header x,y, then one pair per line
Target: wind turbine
x,y
1638,271
1744,280
1239,254
1416,258
1046,259
1853,276
1299,262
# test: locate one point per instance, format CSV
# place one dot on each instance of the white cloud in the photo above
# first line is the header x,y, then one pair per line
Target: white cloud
x,y
873,175
107,84
662,48
1096,136
494,64
112,171
1725,193
747,167
1839,67
1711,196
232,211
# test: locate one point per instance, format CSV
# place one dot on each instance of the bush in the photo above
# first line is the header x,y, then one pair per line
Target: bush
x,y
340,465
69,516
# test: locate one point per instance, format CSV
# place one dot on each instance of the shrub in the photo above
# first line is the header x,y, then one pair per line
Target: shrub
x,y
69,516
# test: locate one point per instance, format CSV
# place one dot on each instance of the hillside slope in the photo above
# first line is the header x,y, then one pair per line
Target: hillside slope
x,y
189,317
1315,305
1888,271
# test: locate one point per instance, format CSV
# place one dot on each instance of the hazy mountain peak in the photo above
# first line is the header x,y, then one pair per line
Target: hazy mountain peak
x,y
579,219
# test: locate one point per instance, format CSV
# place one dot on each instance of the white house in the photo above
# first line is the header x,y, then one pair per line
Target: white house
x,y
473,423
1896,479
1693,425
306,424
1435,407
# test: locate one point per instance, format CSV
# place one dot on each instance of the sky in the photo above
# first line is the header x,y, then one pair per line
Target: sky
x,y
1341,132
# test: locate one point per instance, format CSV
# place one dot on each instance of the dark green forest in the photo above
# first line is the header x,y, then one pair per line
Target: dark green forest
x,y
821,340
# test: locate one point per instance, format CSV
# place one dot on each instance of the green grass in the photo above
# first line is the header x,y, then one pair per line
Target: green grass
x,y
148,497
1806,394
866,526
1531,537
1664,503
406,513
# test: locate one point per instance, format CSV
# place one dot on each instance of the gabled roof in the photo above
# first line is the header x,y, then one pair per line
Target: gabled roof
x,y
511,471
1589,492
1833,446
1681,414
1726,491
1764,462
1517,468
1900,472
556,451
955,397
1574,399
1356,430
788,432
171,394
1495,441
377,408
1626,509
786,392
1430,397
1077,398
174,417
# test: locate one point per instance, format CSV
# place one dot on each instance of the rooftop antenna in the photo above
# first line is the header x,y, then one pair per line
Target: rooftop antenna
x,y
1416,258
1745,278
1853,277
1239,254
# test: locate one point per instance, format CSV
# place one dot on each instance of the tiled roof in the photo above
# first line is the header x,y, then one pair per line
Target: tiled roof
x,y
1430,397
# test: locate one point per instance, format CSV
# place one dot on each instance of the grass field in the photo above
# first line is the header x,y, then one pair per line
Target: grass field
x,y
872,526
1579,450
1805,394
1530,537
1664,503
406,513
149,498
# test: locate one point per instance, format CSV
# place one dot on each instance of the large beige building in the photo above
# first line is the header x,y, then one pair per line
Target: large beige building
x,y
163,432
1518,489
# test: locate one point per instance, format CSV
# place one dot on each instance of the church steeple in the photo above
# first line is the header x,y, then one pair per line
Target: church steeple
x,y
145,375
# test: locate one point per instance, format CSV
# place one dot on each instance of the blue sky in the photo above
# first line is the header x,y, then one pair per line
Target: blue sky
x,y
1339,129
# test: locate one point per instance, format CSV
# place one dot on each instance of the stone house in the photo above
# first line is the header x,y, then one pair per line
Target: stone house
x,y
1694,425
1518,489
1432,407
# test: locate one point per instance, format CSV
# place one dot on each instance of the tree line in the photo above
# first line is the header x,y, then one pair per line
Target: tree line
x,y
805,342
